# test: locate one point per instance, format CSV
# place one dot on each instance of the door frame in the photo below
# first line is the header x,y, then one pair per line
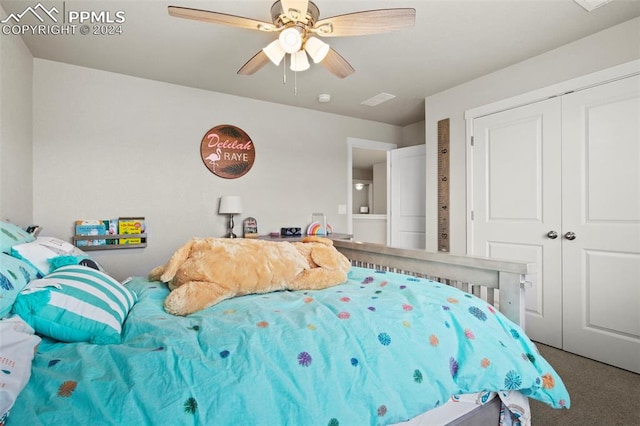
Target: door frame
x,y
365,144
597,78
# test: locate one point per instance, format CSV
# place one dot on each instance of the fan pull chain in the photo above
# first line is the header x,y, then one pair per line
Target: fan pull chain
x,y
284,70
284,76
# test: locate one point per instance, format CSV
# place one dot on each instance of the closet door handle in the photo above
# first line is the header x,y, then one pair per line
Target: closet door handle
x,y
570,236
552,234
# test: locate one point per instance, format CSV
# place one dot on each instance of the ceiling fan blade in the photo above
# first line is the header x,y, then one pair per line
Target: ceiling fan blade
x,y
254,64
337,65
220,18
366,22
296,10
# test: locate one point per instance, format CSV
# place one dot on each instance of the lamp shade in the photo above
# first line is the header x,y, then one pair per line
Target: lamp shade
x,y
299,61
230,204
290,40
316,48
274,52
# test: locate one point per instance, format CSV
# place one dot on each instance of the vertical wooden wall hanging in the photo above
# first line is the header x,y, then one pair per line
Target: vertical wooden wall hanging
x,y
443,185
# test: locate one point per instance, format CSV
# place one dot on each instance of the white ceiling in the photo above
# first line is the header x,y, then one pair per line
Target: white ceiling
x,y
453,41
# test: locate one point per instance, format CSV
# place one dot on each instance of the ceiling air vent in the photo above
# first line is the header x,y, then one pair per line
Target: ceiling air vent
x,y
378,99
590,5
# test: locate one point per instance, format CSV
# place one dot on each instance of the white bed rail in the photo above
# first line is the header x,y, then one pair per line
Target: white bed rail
x,y
481,276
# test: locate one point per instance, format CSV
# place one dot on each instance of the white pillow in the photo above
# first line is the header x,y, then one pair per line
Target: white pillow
x,y
17,349
39,253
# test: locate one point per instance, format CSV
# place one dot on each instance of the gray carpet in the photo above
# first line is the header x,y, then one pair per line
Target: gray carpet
x,y
600,394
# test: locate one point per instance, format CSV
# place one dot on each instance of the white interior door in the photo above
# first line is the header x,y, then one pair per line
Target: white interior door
x,y
601,192
516,166
407,195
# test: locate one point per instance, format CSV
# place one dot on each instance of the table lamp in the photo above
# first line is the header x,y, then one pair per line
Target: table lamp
x,y
230,205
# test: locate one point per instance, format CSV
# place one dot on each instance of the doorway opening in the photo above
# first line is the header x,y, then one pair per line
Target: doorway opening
x,y
368,203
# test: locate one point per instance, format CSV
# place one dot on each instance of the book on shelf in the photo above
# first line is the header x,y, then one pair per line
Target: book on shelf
x,y
112,229
91,227
131,225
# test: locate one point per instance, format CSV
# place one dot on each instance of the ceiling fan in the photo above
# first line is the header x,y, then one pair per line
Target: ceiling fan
x,y
298,25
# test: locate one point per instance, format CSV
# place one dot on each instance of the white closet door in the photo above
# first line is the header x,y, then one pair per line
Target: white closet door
x,y
601,193
516,167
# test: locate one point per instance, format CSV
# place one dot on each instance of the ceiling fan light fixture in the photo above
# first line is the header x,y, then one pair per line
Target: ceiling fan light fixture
x,y
296,21
274,52
290,40
299,61
317,49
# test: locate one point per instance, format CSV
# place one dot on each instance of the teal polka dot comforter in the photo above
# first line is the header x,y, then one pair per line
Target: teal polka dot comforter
x,y
379,349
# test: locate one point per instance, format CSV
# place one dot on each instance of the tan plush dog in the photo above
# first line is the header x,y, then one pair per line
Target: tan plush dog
x,y
206,271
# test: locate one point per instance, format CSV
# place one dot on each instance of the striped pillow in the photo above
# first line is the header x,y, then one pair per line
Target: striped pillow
x,y
76,304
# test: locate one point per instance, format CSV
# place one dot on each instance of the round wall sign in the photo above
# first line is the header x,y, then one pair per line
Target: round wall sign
x,y
227,151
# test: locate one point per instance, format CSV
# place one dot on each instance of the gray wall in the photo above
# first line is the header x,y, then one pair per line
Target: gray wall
x,y
108,145
16,187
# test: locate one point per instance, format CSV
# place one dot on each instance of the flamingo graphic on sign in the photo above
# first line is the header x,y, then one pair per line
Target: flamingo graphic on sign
x,y
213,158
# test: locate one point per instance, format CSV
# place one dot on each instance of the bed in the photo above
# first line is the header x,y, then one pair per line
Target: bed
x,y
409,334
